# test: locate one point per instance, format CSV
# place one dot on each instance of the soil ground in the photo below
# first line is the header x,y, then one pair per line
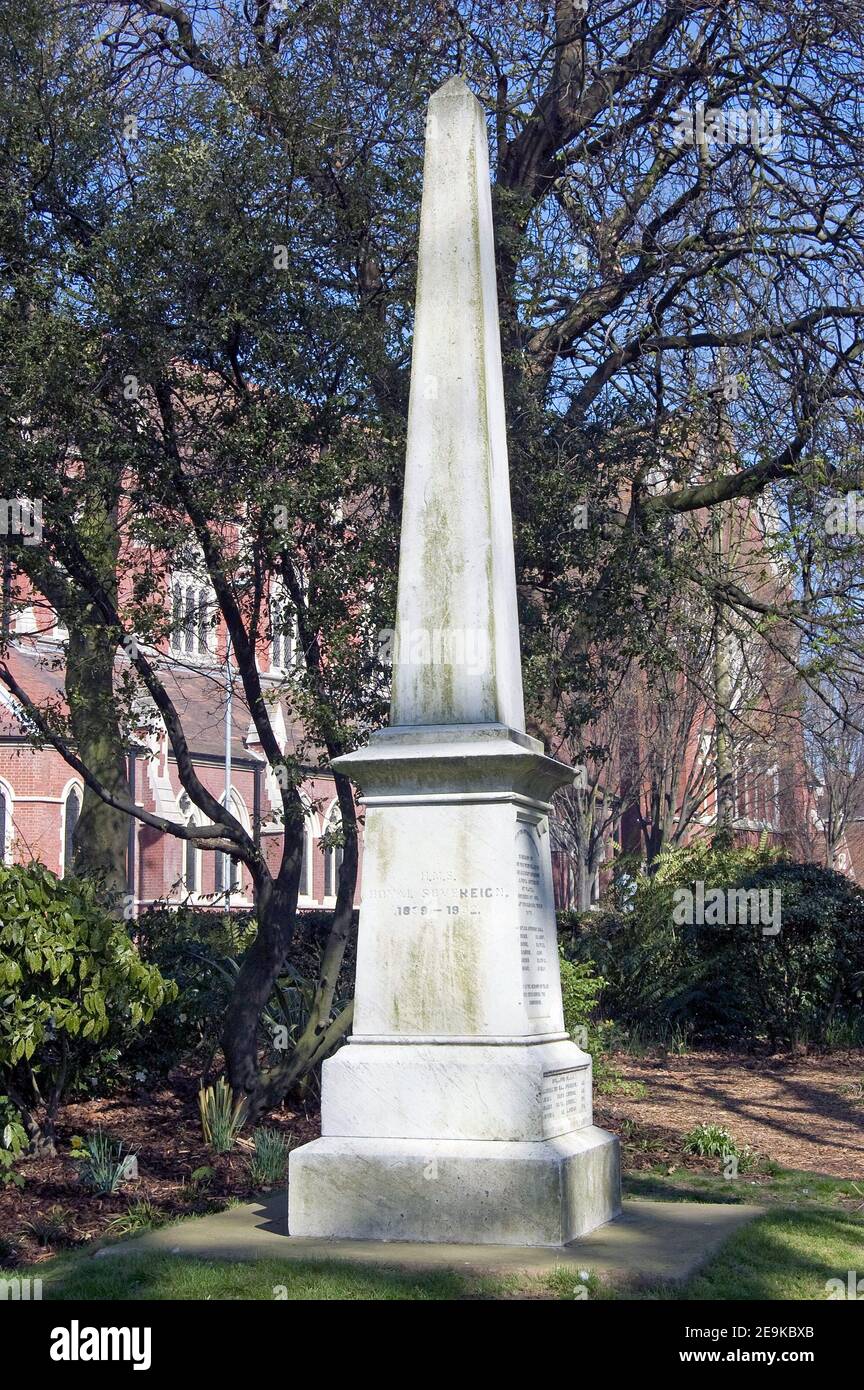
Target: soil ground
x,y
53,1210
800,1111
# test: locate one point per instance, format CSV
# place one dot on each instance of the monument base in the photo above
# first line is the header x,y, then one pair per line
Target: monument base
x,y
468,1191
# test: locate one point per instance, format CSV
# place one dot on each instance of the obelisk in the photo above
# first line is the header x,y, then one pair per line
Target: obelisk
x,y
460,1110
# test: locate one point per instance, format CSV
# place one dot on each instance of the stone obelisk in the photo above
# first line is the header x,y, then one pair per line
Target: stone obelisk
x,y
460,1110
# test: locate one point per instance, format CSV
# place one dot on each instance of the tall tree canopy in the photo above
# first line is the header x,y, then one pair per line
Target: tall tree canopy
x,y
207,252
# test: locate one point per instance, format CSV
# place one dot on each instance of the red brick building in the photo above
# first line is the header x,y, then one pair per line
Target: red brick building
x,y
41,796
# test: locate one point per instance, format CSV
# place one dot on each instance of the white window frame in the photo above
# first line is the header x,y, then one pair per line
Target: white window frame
x,y
236,897
190,816
288,641
311,836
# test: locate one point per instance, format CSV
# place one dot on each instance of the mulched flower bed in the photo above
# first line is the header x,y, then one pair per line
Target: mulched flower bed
x,y
53,1211
801,1110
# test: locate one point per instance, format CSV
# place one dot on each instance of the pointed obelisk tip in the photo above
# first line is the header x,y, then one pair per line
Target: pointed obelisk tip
x,y
455,86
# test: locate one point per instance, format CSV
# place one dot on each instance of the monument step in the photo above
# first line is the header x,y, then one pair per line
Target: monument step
x,y
467,1191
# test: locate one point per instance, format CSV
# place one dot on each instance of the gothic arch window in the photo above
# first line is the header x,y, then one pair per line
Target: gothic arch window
x,y
229,870
307,874
283,630
228,877
333,854
192,607
71,812
191,878
191,862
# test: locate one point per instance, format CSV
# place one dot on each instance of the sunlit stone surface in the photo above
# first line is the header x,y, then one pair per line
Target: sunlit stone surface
x,y
460,1110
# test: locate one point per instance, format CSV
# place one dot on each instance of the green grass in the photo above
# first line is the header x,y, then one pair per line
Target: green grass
x,y
783,1255
786,1254
786,1186
168,1277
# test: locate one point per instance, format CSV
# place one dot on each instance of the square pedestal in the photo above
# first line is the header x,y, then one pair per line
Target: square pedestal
x,y
460,1111
461,1191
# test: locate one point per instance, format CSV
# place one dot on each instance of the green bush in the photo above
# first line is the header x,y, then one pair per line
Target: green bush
x,y
71,983
710,1141
13,1142
733,983
142,1215
580,990
104,1163
201,952
189,947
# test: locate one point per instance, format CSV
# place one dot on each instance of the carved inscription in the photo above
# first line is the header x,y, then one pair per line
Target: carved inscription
x,y
533,915
566,1101
436,895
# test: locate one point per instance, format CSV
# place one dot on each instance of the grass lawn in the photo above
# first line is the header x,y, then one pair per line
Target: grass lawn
x,y
782,1186
810,1234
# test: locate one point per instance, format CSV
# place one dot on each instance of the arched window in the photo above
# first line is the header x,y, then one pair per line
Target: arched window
x,y
71,812
191,877
229,875
283,632
307,873
5,824
333,855
192,609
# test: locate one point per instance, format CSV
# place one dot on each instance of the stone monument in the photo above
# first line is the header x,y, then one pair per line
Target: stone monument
x,y
460,1110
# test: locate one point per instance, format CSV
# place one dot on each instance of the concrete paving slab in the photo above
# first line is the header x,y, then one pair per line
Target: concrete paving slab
x,y
650,1241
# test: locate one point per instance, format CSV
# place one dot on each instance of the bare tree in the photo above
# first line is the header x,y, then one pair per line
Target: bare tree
x,y
835,762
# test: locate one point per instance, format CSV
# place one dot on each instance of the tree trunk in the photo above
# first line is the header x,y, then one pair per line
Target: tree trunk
x,y
321,1032
40,1132
723,757
262,965
101,836
38,1118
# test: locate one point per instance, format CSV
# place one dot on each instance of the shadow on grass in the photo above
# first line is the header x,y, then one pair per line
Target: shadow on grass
x,y
788,1186
170,1277
784,1255
664,1189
